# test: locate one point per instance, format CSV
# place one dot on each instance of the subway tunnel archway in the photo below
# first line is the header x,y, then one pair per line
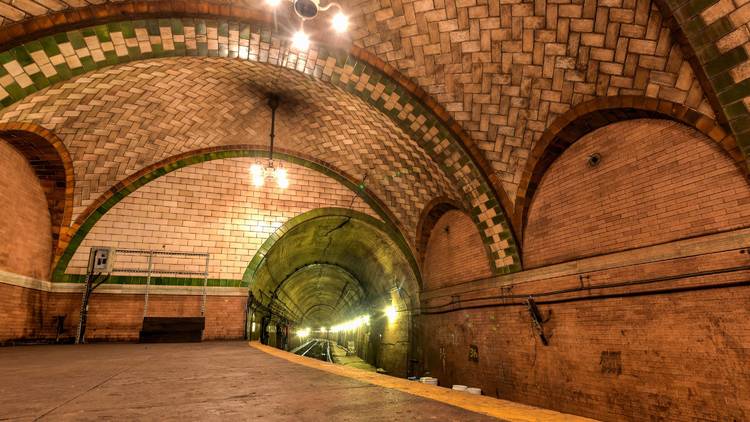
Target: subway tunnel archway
x,y
332,265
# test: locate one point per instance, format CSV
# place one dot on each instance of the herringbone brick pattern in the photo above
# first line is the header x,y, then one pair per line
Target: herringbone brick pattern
x,y
119,120
507,69
38,64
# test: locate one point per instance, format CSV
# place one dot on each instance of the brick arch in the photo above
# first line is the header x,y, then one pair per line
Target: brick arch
x,y
589,116
106,201
386,228
53,166
430,216
354,71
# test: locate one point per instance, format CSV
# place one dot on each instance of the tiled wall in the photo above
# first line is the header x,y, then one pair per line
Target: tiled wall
x,y
212,208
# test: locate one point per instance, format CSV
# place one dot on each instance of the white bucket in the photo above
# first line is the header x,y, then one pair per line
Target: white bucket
x,y
428,380
474,390
459,387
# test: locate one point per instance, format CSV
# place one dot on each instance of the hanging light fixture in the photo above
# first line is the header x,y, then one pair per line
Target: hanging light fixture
x,y
259,173
307,10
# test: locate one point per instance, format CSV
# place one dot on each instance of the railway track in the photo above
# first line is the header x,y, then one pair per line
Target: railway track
x,y
315,348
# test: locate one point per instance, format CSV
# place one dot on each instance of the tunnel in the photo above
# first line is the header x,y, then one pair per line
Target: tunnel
x,y
331,266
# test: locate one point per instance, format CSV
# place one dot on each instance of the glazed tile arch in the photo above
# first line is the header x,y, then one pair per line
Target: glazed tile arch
x,y
88,219
41,63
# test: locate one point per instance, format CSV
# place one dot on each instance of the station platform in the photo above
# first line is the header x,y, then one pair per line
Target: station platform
x,y
223,381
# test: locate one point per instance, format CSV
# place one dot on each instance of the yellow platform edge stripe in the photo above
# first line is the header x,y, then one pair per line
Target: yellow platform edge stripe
x,y
498,408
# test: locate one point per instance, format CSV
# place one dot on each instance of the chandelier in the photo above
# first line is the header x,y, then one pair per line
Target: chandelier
x,y
309,9
259,173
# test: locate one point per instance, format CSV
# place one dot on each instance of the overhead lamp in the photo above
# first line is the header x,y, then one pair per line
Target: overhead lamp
x,y
259,173
307,10
340,23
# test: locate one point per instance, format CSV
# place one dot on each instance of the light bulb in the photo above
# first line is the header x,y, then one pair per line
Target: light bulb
x,y
340,23
281,178
300,41
273,3
256,173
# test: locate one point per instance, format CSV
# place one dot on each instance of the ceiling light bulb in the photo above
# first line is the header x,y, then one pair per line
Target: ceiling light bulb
x,y
256,173
273,3
300,41
340,23
281,178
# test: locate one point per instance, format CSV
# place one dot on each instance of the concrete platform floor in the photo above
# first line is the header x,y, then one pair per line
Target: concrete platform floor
x,y
205,381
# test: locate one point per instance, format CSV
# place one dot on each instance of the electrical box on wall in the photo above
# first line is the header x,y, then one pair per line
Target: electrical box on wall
x,y
101,259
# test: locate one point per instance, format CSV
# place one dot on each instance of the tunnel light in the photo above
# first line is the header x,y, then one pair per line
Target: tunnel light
x,y
351,325
305,332
323,330
340,23
391,313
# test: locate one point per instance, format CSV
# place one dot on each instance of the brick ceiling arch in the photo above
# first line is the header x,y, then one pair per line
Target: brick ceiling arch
x,y
130,116
79,229
423,133
53,166
504,71
592,115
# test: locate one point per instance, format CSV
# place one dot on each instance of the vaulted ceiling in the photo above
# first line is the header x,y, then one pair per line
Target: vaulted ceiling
x,y
496,74
505,70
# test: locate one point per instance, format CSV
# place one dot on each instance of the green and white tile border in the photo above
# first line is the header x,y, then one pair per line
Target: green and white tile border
x,y
38,64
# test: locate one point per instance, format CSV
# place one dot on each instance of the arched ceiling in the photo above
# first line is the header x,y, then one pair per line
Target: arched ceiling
x,y
121,119
322,294
332,267
505,70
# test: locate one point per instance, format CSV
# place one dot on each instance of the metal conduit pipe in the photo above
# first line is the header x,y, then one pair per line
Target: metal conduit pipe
x,y
456,306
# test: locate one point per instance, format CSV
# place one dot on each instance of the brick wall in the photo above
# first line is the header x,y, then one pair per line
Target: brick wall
x,y
454,252
119,317
26,230
657,181
21,311
210,207
30,314
671,356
